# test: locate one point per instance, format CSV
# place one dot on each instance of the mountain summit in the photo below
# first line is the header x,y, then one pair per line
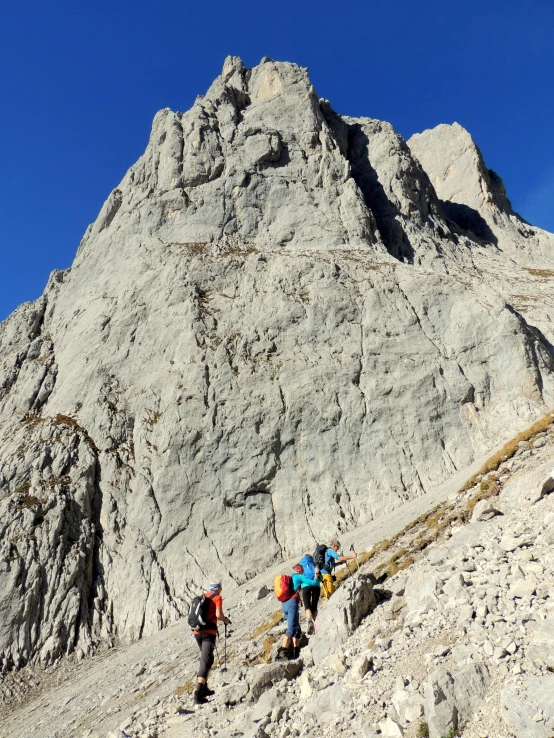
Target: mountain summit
x,y
283,323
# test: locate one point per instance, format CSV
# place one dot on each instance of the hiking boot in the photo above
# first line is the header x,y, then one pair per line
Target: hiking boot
x,y
207,691
283,654
310,627
200,696
296,652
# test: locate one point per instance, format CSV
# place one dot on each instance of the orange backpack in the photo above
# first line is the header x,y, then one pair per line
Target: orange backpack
x,y
283,587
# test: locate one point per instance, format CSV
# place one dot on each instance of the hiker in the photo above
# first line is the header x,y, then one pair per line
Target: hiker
x,y
327,558
205,637
291,611
310,594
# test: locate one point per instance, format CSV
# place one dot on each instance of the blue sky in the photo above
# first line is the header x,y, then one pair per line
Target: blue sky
x,y
81,82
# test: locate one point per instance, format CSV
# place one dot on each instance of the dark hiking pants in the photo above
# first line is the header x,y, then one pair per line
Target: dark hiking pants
x,y
206,643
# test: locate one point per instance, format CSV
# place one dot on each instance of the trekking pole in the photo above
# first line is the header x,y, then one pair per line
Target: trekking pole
x,y
217,654
357,562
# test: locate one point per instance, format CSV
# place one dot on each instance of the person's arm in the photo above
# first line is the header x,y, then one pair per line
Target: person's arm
x,y
219,614
307,582
342,559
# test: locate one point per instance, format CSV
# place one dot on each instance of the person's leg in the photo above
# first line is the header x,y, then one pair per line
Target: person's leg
x,y
288,611
315,601
294,628
309,596
206,643
328,585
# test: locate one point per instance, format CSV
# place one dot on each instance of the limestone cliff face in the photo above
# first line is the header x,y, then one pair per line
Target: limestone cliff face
x,y
275,330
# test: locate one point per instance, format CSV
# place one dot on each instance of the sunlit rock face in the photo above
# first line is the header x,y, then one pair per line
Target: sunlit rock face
x,y
282,324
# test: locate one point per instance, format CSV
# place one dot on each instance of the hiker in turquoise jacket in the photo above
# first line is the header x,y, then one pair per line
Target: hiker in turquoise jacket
x,y
291,611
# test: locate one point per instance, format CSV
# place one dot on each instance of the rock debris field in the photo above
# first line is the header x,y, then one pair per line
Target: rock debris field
x,y
460,642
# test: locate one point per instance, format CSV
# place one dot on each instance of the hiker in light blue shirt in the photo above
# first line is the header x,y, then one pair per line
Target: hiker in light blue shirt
x,y
292,614
332,558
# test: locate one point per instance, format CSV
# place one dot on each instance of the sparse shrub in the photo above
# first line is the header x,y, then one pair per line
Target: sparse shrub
x,y
453,733
422,730
186,688
509,449
268,625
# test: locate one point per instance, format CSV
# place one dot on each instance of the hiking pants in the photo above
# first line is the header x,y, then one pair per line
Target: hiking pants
x,y
328,584
206,643
310,595
291,611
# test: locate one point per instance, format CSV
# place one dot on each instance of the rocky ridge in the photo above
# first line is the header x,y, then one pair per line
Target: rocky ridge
x,y
276,312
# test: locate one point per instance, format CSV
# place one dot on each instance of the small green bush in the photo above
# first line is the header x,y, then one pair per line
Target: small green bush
x,y
422,730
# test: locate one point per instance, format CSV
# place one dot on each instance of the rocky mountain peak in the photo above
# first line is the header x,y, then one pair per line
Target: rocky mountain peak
x,y
273,315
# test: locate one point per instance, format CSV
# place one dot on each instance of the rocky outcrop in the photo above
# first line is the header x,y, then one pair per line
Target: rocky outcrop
x,y
273,315
342,615
474,197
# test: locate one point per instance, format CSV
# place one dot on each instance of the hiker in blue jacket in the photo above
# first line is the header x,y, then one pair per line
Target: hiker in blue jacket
x,y
292,615
332,558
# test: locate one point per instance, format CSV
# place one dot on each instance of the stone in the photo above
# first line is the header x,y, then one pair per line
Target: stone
x,y
337,662
264,677
360,667
529,711
267,703
421,591
541,645
511,543
233,693
452,697
307,685
409,705
390,729
522,588
484,510
528,487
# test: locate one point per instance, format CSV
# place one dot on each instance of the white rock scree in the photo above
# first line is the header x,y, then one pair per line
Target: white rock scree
x,y
284,323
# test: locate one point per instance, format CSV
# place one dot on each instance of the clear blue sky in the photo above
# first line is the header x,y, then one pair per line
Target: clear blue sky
x,y
81,81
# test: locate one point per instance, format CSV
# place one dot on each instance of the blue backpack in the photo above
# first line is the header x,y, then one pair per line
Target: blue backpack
x,y
308,565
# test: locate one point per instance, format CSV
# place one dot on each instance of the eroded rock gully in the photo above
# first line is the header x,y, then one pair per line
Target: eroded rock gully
x,y
278,311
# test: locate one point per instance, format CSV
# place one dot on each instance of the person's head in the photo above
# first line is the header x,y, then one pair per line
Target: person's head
x,y
335,545
298,569
215,588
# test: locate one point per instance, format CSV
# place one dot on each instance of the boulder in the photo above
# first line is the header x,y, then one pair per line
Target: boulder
x,y
267,703
484,510
264,677
421,591
451,698
233,693
360,667
342,615
527,487
528,711
330,699
409,705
